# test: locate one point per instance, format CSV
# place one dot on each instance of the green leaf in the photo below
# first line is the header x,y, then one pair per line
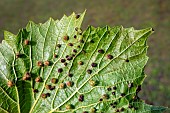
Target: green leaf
x,y
55,67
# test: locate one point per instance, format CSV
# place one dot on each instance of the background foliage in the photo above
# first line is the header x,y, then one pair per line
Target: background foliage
x,y
15,14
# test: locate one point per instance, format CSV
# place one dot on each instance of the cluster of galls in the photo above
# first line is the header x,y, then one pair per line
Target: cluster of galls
x,y
60,70
92,110
49,87
93,65
67,84
26,43
122,109
27,76
42,64
114,104
109,56
70,106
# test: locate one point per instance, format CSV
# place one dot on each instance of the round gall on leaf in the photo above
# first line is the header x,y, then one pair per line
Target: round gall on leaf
x,y
66,38
63,60
85,112
65,63
75,36
62,85
114,87
27,76
101,51
48,94
46,63
70,44
40,64
35,90
109,89
52,87
70,75
92,83
38,79
127,60
26,42
18,55
58,45
80,63
81,98
93,110
48,86
94,64
69,106
54,80
69,58
77,16
43,95
105,96
55,55
60,70
89,71
109,56
74,50
10,83
69,83
24,78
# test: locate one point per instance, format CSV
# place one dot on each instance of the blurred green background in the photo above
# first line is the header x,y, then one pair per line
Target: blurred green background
x,y
15,14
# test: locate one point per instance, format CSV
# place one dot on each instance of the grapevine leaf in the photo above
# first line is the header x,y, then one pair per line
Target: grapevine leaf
x,y
56,67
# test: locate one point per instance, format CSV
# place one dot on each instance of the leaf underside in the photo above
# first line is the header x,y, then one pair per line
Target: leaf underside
x,y
97,70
